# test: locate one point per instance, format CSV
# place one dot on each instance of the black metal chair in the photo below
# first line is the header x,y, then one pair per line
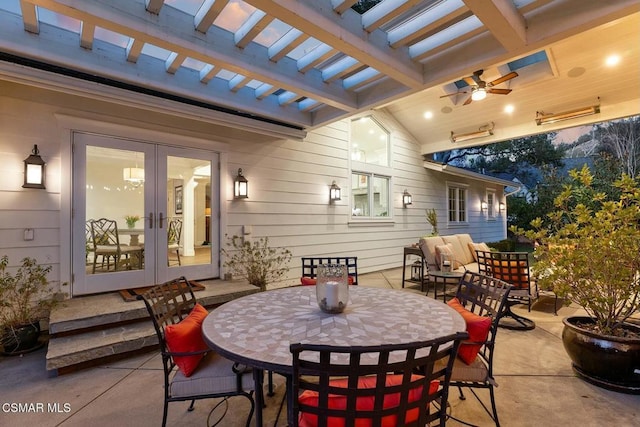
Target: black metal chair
x,y
374,383
310,266
513,268
215,376
483,296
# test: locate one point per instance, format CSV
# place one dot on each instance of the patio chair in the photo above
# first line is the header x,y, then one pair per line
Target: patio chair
x,y
174,233
310,267
513,268
377,384
481,300
106,243
191,370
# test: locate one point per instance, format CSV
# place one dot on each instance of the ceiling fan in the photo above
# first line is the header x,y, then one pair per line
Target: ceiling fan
x,y
480,88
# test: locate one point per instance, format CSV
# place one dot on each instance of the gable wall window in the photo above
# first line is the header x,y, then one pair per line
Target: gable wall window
x,y
491,204
370,170
457,203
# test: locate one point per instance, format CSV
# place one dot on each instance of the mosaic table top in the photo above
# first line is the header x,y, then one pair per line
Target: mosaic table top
x,y
257,329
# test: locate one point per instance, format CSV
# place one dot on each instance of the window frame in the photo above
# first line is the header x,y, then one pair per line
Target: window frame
x,y
491,205
460,189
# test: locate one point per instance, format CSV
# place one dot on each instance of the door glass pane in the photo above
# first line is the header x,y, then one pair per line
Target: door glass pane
x,y
188,211
360,192
381,196
114,228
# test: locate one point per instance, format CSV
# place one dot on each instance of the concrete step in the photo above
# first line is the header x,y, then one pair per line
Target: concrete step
x,y
86,330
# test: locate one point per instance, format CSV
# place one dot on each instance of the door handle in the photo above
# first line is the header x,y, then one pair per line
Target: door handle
x,y
150,219
160,219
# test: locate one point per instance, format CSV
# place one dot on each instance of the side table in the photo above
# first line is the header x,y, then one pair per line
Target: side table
x,y
449,277
414,250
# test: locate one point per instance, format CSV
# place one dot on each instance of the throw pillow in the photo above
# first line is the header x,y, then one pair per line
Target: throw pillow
x,y
482,247
310,398
186,336
444,249
478,329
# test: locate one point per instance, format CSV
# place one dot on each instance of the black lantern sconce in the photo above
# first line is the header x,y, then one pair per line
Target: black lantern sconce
x,y
34,170
484,206
240,186
406,198
502,207
334,192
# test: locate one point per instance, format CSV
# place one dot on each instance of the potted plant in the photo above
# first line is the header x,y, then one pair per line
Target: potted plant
x,y
432,219
25,298
590,255
131,220
256,261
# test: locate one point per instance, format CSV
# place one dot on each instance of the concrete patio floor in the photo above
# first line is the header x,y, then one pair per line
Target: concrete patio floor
x,y
537,386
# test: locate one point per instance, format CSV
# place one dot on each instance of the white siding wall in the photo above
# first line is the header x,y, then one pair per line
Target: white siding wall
x,y
288,184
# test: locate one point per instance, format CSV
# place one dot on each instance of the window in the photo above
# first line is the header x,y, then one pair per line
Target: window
x,y
491,204
457,198
370,170
369,142
370,195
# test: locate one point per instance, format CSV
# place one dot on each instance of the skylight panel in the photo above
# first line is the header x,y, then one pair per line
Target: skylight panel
x,y
111,37
234,15
61,21
193,64
459,29
188,6
304,48
12,6
528,60
226,74
272,32
155,51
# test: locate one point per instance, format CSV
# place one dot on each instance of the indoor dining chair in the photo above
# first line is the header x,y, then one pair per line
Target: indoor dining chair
x,y
394,384
106,243
174,233
191,370
482,301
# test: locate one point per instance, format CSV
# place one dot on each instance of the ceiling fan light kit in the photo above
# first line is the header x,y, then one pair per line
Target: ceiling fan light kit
x,y
480,89
483,131
545,119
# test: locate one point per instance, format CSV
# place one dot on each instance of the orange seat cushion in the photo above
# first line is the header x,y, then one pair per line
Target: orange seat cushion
x,y
366,403
311,281
511,271
186,336
477,328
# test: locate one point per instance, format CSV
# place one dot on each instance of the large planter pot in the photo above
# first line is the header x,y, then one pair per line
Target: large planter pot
x,y
21,339
607,361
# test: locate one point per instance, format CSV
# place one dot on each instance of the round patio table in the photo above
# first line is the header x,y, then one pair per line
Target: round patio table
x,y
257,329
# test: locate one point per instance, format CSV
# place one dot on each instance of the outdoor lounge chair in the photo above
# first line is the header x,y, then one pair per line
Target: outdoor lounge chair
x,y
513,268
194,371
482,297
379,383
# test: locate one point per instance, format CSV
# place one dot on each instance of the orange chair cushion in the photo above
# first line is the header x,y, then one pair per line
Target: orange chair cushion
x,y
186,336
391,400
511,271
311,281
477,328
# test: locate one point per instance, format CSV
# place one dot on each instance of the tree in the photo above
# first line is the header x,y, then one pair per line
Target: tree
x,y
363,5
621,139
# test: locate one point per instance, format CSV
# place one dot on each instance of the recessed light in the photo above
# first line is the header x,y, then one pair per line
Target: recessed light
x,y
428,115
509,109
612,60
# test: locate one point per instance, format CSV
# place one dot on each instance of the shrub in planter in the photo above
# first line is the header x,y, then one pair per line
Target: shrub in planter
x,y
25,298
256,261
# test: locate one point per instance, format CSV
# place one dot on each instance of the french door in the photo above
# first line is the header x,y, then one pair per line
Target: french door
x,y
156,200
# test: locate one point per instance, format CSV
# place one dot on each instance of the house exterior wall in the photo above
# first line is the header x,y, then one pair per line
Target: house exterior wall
x,y
288,182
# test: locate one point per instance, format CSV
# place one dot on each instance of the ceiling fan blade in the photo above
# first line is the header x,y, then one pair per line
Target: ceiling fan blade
x,y
452,94
468,101
504,78
499,91
470,81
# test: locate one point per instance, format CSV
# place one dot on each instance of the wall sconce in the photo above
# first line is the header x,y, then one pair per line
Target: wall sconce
x,y
34,170
334,192
484,206
240,186
545,119
486,130
406,198
502,206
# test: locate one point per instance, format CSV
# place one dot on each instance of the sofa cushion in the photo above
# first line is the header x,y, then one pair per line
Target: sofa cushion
x,y
465,239
428,247
482,247
459,253
445,250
